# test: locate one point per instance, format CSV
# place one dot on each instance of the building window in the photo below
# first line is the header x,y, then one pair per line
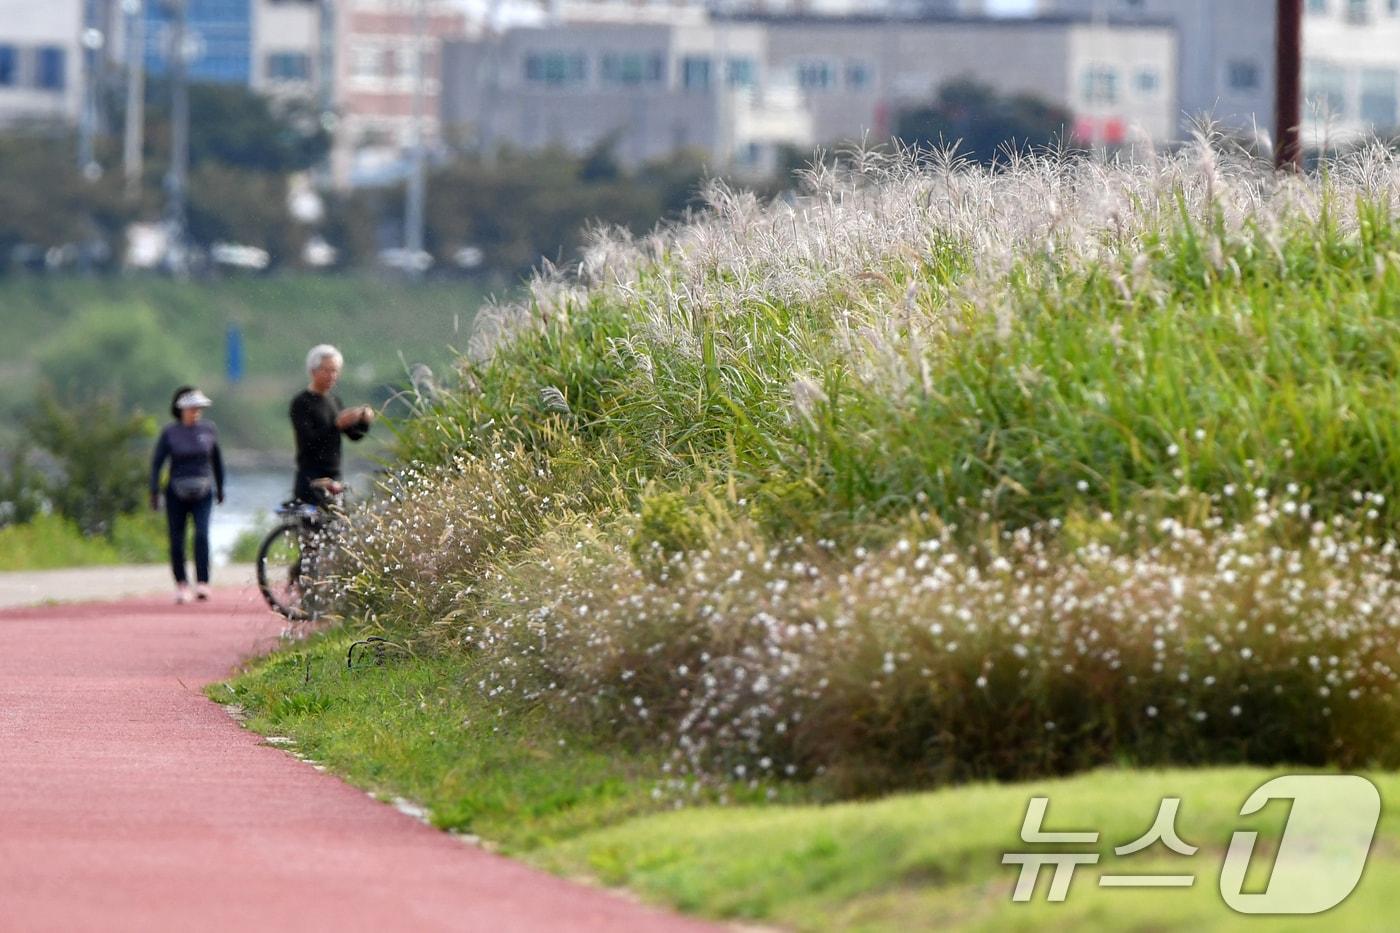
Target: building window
x,y
50,74
1147,81
743,72
857,76
555,68
1358,11
288,66
1242,75
1325,89
1100,85
1378,105
364,61
695,73
8,59
814,76
1393,7
1317,6
632,68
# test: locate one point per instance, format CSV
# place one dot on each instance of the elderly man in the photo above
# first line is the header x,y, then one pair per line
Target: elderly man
x,y
318,419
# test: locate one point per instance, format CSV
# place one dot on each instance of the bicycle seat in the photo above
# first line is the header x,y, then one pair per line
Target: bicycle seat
x,y
298,508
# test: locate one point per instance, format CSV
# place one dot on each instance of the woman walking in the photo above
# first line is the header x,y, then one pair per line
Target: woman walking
x,y
196,482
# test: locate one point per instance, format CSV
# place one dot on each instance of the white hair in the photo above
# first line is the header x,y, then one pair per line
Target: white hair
x,y
319,354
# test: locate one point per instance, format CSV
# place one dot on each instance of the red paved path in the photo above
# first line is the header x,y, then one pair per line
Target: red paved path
x,y
128,801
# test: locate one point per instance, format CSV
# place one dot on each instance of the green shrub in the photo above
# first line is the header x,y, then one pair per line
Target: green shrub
x,y
102,464
49,542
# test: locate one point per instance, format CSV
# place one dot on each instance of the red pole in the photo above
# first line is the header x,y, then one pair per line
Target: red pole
x,y
1288,108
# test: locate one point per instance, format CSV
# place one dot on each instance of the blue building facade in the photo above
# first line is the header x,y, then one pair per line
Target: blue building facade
x,y
219,39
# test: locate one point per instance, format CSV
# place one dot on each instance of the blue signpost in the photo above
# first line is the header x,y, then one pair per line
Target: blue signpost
x,y
234,355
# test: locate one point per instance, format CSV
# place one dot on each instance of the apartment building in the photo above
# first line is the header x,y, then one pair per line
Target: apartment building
x,y
1351,60
650,88
855,74
286,46
376,66
218,44
1351,70
1226,54
40,61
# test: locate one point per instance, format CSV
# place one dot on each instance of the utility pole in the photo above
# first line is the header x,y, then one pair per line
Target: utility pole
x,y
1099,18
92,41
413,210
325,75
175,178
133,140
1288,109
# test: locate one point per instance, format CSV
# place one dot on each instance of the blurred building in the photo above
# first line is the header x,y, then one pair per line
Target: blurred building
x,y
218,39
376,60
1351,69
286,49
1226,52
650,89
1351,52
855,74
40,61
742,88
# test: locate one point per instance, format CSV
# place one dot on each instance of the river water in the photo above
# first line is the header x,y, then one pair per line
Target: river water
x,y
251,498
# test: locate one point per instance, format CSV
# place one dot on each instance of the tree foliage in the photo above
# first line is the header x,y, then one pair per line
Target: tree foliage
x,y
97,452
235,126
118,356
983,123
44,200
519,207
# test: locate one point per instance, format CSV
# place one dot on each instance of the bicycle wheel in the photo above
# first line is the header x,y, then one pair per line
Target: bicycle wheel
x,y
280,571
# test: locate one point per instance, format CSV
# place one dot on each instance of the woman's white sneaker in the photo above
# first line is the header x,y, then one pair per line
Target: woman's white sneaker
x,y
201,592
182,593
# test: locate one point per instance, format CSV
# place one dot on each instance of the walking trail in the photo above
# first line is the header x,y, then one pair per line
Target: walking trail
x,y
129,801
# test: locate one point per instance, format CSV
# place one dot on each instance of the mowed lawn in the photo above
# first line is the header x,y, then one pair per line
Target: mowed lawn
x,y
934,860
583,807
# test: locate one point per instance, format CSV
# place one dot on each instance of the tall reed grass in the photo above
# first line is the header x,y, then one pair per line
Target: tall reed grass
x,y
969,467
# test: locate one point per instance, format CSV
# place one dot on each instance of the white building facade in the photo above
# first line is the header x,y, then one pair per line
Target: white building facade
x,y
1351,62
856,74
650,89
1351,70
41,67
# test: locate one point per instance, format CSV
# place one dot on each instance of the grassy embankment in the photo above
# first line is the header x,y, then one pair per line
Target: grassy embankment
x,y
583,807
380,324
49,542
933,477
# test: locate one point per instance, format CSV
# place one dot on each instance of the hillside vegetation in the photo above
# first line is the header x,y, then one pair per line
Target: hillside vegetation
x,y
936,473
136,339
931,476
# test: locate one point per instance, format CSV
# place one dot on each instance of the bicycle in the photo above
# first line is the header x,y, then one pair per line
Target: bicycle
x,y
292,559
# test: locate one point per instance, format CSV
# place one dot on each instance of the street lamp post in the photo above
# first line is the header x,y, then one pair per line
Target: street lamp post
x,y
132,140
93,40
413,209
176,176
